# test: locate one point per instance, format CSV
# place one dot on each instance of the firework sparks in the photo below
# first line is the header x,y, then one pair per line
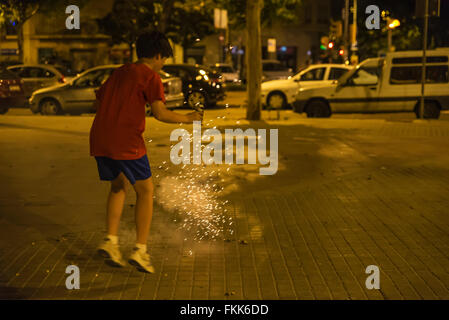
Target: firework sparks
x,y
194,195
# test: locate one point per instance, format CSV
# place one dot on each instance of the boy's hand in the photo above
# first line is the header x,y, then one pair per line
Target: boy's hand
x,y
163,114
195,116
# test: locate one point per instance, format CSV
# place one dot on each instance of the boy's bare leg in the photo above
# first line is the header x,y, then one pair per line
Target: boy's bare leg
x,y
144,208
116,199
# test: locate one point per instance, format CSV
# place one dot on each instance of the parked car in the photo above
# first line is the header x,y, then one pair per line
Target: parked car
x,y
66,71
390,84
278,94
11,91
274,69
227,71
37,76
78,96
199,84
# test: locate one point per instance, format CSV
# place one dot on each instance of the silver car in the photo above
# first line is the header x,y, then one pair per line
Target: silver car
x,y
227,71
78,96
273,70
37,76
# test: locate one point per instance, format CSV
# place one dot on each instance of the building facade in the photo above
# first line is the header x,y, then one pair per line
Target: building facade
x,y
46,40
296,45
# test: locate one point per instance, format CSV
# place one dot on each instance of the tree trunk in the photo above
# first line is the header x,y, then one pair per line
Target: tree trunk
x,y
253,59
20,41
131,52
184,57
167,9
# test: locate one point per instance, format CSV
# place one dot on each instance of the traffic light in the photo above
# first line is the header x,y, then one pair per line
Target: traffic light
x,y
330,45
336,29
341,52
324,42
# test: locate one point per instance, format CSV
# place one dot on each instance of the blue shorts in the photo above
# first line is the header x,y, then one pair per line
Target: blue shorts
x,y
109,169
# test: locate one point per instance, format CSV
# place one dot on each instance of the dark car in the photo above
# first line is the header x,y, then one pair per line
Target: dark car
x,y
199,84
12,94
37,76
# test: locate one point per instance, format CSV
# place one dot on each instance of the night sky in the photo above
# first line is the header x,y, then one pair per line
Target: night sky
x,y
403,10
399,8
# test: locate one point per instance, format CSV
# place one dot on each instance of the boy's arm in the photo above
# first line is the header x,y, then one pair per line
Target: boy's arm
x,y
98,95
161,113
96,105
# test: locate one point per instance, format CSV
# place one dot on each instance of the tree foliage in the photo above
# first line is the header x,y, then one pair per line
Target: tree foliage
x,y
405,37
373,42
182,21
189,21
128,18
20,11
282,11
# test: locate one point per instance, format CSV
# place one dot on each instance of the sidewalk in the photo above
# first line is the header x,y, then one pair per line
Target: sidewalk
x,y
348,194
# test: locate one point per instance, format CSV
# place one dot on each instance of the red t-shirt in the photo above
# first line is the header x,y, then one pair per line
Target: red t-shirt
x,y
120,119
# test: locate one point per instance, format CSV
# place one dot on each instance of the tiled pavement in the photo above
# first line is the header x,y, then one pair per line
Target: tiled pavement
x,y
297,241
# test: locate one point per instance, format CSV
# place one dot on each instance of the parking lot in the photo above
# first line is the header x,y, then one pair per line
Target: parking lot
x,y
236,99
351,191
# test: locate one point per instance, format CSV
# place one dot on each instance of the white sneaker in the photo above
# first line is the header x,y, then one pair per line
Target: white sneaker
x,y
141,260
111,252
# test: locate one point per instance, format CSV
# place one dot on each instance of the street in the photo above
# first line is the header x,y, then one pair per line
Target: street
x,y
351,191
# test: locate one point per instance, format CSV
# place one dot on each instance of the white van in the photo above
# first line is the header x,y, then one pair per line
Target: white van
x,y
390,84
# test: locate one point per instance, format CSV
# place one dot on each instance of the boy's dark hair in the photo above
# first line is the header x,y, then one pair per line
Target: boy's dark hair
x,y
150,44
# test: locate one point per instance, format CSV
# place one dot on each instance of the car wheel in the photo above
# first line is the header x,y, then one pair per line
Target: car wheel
x,y
50,107
276,101
431,110
3,110
196,97
318,109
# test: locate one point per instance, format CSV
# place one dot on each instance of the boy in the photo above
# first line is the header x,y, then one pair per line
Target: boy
x,y
117,144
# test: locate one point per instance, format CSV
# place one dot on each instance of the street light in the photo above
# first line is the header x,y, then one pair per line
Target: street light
x,y
392,24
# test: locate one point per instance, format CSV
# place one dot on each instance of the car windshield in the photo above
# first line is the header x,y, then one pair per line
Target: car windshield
x,y
273,66
165,75
93,78
7,75
301,70
225,69
65,71
205,70
347,75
